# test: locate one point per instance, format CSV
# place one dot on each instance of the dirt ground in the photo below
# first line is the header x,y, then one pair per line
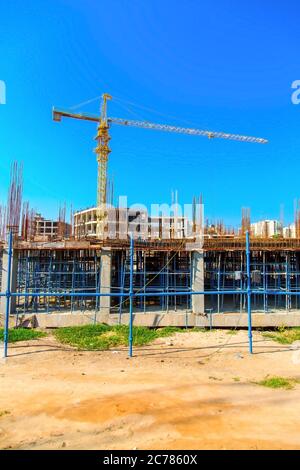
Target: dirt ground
x,y
177,393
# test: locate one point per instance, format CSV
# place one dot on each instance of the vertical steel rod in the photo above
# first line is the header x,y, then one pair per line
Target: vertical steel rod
x,y
8,293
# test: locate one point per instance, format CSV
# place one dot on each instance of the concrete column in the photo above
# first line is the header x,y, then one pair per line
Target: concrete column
x,y
13,288
197,281
105,280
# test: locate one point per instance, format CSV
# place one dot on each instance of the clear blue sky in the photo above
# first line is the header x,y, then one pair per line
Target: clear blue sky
x,y
218,65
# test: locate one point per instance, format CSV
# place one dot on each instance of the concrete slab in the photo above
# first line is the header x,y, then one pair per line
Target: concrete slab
x,y
157,319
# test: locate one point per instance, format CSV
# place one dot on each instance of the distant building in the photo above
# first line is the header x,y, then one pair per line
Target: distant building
x,y
266,228
121,221
289,231
46,228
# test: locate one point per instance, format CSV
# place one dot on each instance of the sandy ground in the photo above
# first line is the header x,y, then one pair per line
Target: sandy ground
x,y
178,393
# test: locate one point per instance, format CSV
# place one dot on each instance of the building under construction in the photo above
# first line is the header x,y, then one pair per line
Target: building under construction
x,y
173,253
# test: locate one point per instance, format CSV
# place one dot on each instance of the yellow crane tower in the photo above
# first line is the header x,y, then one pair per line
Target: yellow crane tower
x,y
102,150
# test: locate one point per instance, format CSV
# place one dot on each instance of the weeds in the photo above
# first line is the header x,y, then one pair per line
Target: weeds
x,y
21,334
284,335
102,336
286,383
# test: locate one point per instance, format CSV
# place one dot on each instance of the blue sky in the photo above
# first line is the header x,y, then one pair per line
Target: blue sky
x,y
219,65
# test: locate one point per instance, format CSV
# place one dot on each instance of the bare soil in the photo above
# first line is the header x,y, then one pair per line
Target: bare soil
x,y
181,392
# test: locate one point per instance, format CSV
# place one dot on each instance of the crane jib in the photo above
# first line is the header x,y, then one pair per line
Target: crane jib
x,y
58,114
186,130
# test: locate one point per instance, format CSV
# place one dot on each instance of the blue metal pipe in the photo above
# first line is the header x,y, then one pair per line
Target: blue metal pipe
x,y
249,292
65,294
118,294
149,294
131,295
176,293
8,293
275,292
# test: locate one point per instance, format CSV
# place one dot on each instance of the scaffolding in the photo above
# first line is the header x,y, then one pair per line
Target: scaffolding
x,y
57,279
156,272
270,272
56,272
77,271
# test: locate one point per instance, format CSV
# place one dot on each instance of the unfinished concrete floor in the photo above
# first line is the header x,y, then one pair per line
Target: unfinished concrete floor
x,y
173,394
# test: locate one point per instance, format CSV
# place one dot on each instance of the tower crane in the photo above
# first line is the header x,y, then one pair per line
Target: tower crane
x,y
103,150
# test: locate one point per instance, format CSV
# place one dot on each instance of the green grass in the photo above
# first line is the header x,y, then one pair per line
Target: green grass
x,y
168,331
286,383
102,336
231,332
283,335
21,334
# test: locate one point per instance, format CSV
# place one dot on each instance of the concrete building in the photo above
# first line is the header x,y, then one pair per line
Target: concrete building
x,y
166,260
119,222
289,231
266,228
47,229
173,266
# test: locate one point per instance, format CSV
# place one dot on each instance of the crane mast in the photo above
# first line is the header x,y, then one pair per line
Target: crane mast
x,y
103,150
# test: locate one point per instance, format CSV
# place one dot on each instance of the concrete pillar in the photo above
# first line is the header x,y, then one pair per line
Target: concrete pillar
x,y
105,280
13,286
197,281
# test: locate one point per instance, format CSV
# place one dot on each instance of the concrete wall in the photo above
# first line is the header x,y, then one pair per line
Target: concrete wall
x,y
155,319
105,280
197,281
